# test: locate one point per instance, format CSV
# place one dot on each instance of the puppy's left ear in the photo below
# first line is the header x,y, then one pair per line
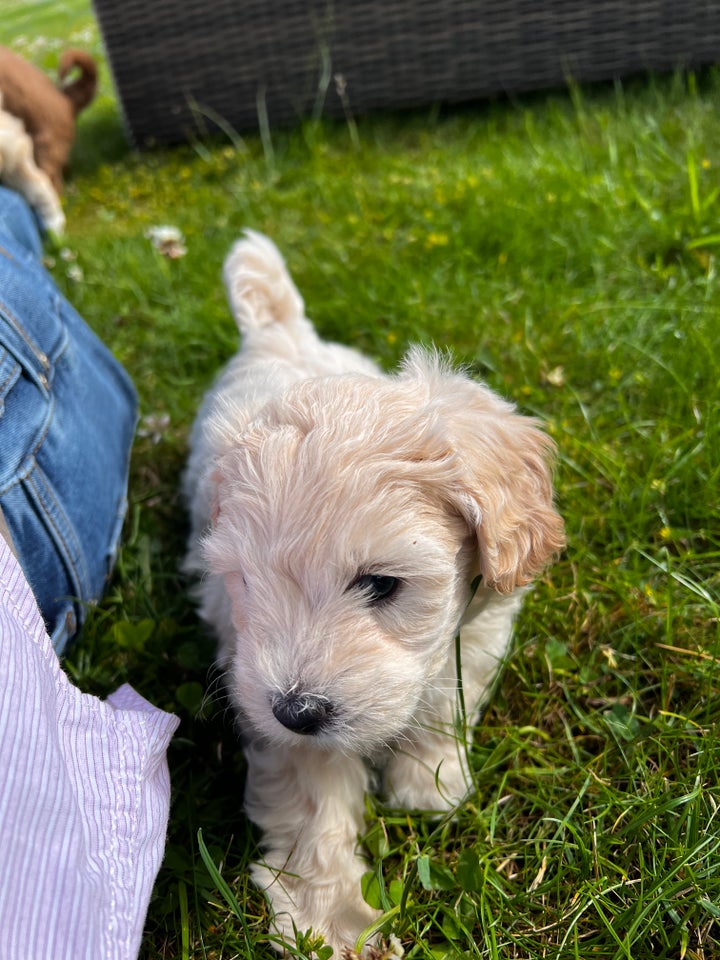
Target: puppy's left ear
x,y
502,473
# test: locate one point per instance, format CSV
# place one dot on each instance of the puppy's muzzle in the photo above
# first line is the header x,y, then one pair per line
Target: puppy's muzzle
x,y
305,713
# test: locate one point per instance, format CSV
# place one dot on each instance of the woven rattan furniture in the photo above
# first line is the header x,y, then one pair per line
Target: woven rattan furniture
x,y
183,66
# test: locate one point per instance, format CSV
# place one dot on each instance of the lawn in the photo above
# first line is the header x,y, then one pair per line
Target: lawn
x,y
564,247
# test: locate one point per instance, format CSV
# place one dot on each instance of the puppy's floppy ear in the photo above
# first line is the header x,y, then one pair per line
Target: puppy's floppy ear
x,y
502,482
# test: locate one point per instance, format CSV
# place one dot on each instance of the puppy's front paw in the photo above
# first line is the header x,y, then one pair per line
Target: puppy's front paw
x,y
332,907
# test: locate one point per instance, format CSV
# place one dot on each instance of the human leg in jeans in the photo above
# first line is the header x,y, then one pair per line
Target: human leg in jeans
x,y
67,416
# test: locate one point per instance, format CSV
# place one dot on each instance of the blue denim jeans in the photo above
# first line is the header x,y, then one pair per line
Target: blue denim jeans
x,y
67,417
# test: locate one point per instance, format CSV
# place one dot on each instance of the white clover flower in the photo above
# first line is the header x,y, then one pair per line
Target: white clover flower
x,y
153,425
167,240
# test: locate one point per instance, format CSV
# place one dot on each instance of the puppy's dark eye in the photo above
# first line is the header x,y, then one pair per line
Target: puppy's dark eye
x,y
377,587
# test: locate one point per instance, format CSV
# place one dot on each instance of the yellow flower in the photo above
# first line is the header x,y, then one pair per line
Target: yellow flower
x,y
609,654
437,240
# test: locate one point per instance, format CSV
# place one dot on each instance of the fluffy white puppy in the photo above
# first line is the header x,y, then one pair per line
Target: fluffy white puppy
x,y
20,172
339,518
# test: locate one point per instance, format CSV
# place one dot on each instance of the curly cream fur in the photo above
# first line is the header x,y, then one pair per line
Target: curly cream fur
x,y
310,468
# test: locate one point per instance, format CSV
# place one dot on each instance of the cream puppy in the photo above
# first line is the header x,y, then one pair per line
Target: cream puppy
x,y
340,517
20,172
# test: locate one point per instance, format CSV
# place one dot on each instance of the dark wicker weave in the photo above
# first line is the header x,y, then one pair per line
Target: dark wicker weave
x,y
184,65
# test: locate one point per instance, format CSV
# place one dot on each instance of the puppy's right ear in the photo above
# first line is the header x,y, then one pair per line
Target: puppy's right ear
x,y
500,476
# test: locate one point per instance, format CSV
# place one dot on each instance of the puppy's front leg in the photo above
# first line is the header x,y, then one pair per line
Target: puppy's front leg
x,y
429,770
309,804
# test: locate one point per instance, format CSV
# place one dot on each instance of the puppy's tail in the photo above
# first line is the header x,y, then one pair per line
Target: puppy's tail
x,y
83,88
258,285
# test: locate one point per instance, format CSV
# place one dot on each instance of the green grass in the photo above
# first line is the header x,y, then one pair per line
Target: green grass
x,y
565,247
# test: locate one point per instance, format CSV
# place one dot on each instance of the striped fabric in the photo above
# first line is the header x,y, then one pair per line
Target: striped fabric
x,y
84,797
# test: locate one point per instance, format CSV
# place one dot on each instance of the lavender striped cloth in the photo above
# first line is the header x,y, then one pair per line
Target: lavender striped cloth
x,y
84,797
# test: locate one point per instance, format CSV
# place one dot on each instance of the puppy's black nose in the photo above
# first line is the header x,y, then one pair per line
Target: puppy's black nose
x,y
302,712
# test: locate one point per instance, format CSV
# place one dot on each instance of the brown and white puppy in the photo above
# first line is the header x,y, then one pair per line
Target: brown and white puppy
x,y
340,518
48,111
